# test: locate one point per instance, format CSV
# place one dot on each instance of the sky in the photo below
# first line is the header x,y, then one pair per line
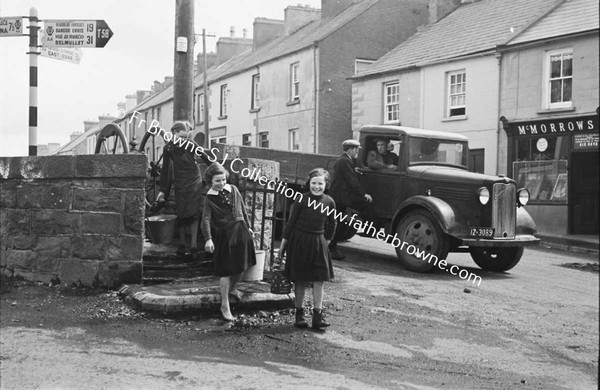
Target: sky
x,y
140,52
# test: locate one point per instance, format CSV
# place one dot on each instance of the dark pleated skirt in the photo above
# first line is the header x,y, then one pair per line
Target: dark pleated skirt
x,y
308,258
234,250
188,196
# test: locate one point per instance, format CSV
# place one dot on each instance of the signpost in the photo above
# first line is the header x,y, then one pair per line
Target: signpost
x,y
11,26
76,33
72,55
60,35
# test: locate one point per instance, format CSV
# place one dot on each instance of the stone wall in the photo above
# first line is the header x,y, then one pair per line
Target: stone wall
x,y
73,219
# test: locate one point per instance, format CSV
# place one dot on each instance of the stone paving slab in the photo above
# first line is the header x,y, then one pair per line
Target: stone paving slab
x,y
200,294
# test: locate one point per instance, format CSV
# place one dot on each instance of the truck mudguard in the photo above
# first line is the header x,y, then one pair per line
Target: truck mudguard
x,y
525,224
441,211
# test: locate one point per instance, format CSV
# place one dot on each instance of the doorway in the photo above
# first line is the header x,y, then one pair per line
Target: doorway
x,y
477,160
583,199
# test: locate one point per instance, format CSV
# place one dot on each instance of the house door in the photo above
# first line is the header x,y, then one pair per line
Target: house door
x,y
583,199
477,160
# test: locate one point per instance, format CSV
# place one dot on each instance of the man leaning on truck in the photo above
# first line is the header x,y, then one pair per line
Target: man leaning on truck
x,y
346,189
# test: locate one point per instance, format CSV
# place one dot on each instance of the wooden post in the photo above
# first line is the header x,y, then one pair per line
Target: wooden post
x,y
183,75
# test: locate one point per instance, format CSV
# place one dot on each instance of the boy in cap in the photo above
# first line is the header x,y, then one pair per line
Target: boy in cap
x,y
346,189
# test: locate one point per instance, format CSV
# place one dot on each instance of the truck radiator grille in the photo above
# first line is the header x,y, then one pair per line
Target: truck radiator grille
x,y
504,210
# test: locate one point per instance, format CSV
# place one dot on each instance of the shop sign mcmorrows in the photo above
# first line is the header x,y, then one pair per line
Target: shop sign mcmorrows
x,y
556,127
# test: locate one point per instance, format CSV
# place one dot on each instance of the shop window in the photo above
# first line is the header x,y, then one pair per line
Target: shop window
x,y
392,102
559,79
541,167
457,94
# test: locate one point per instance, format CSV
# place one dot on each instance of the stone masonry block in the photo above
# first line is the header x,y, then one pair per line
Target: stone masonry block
x,y
133,212
114,165
58,167
21,167
23,259
49,222
20,241
100,223
95,247
74,271
48,264
53,246
3,257
114,274
97,199
136,183
14,221
30,195
131,248
57,196
8,193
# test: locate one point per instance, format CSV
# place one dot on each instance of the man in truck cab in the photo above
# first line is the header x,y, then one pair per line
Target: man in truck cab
x,y
382,158
346,189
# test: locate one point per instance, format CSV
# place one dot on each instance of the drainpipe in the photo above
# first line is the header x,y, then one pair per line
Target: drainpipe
x,y
499,129
316,99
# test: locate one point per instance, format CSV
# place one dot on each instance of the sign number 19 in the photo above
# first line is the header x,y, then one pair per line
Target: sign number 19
x,y
90,27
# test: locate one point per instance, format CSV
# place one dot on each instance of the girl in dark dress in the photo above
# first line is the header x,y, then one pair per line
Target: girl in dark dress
x,y
233,245
187,181
306,237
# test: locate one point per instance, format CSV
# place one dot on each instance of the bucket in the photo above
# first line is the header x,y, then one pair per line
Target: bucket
x,y
255,272
161,228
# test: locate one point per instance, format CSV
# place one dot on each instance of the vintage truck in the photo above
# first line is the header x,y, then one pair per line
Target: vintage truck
x,y
430,199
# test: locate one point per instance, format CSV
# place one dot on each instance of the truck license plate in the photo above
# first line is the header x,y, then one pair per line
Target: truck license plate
x,y
481,232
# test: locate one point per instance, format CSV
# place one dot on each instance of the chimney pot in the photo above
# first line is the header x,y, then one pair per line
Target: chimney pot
x,y
232,31
245,33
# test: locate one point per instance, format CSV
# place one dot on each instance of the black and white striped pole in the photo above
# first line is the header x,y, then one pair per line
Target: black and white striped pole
x,y
33,79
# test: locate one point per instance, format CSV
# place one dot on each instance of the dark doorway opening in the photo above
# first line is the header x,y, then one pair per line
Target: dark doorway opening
x,y
583,199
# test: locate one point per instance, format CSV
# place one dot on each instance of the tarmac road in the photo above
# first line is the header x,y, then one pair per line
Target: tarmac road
x,y
535,327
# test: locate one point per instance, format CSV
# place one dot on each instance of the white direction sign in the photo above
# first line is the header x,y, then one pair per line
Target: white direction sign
x,y
63,54
76,33
11,26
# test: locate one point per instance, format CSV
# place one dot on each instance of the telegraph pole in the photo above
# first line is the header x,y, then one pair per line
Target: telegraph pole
x,y
183,75
205,82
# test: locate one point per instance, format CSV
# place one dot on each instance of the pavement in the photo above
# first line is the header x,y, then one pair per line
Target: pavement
x,y
169,291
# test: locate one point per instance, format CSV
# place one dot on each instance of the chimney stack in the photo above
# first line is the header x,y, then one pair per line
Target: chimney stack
x,y
244,33
438,9
232,32
265,30
298,16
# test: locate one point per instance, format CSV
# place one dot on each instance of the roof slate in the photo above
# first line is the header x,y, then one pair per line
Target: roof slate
x,y
474,27
572,16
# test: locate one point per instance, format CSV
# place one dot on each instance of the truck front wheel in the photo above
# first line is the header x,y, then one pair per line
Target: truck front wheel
x,y
421,237
497,259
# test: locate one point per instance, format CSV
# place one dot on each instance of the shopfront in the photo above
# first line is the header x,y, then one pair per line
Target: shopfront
x,y
557,160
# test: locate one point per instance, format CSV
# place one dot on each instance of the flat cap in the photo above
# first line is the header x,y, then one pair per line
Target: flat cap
x,y
351,142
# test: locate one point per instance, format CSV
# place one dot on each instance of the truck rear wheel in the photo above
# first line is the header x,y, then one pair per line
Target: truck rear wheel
x,y
422,235
497,259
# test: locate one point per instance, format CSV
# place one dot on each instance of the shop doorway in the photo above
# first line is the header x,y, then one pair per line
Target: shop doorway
x,y
583,199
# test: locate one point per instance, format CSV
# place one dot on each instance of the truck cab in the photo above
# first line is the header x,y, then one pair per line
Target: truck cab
x,y
430,200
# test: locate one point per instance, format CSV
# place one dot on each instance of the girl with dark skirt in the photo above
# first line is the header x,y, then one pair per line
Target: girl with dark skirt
x,y
306,237
233,245
187,181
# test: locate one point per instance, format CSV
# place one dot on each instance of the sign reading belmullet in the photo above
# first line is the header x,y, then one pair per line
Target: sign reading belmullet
x,y
550,127
76,33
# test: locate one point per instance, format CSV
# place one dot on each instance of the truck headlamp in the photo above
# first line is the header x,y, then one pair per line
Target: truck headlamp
x,y
484,195
523,196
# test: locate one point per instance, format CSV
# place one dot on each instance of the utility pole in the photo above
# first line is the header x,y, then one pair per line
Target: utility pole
x,y
205,82
183,75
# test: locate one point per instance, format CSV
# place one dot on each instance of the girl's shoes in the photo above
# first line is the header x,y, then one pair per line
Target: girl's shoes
x,y
300,320
317,321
